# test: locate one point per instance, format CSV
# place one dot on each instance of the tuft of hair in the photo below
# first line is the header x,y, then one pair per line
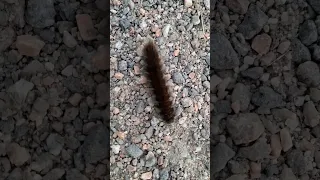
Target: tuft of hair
x,y
157,80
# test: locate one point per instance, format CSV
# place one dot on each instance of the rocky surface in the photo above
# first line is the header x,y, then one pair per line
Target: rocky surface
x,y
50,113
142,145
265,106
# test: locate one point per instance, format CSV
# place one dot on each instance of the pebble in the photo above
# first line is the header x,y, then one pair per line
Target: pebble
x,y
308,32
286,140
261,43
253,73
256,152
55,143
178,78
17,155
300,53
69,40
188,3
223,56
86,28
308,73
29,45
296,161
238,6
7,36
244,128
115,149
147,175
165,30
134,151
287,174
275,145
95,145
223,153
253,22
266,97
283,47
311,115
196,20
40,19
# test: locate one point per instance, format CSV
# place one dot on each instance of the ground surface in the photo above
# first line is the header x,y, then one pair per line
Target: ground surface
x,y
265,83
53,90
142,146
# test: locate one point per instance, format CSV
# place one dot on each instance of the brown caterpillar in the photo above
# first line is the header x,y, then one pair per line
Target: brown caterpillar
x,y
157,80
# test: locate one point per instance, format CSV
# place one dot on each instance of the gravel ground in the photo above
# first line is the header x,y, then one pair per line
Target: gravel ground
x,y
53,84
265,83
142,145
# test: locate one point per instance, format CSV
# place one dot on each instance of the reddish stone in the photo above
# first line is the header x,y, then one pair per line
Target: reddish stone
x,y
29,45
261,43
86,28
101,58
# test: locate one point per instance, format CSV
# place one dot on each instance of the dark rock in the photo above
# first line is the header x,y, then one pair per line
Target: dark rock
x,y
244,128
296,162
7,36
266,97
223,55
308,33
257,151
222,106
221,155
96,145
253,73
300,53
40,14
253,22
315,4
308,73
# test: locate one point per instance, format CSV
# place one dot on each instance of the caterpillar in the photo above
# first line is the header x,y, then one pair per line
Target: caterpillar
x,y
157,80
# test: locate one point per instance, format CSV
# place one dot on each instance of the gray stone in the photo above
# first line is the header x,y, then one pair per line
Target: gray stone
x,y
67,71
54,174
266,97
40,14
315,94
222,106
44,161
238,177
19,91
68,10
308,73
308,32
286,140
300,53
287,174
311,115
253,73
178,78
317,158
296,162
55,143
150,160
73,84
134,151
223,55
96,145
123,65
75,174
283,114
70,114
315,4
7,36
7,126
238,6
102,98
48,35
34,67
18,155
222,154
72,142
315,51
242,94
241,47
253,22
244,128
257,151
69,40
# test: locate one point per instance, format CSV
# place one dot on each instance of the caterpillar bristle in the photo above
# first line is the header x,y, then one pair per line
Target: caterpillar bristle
x,y
157,80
